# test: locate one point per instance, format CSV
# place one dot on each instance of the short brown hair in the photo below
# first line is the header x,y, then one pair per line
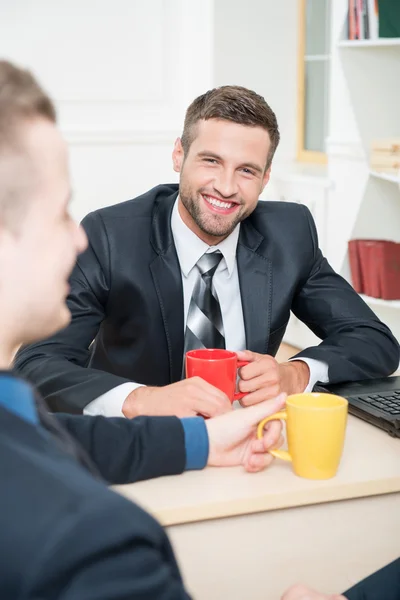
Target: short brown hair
x,y
21,97
232,103
21,100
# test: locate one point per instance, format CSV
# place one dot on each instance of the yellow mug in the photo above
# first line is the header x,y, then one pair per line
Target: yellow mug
x,y
316,425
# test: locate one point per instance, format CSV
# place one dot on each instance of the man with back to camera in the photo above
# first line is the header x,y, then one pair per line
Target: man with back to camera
x,y
140,290
64,534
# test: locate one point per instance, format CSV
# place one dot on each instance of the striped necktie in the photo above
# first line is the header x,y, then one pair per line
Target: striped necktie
x,y
204,327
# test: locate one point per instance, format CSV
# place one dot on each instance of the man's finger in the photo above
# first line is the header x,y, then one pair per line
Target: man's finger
x,y
303,592
209,389
209,406
258,462
248,355
272,435
260,447
261,380
255,414
263,395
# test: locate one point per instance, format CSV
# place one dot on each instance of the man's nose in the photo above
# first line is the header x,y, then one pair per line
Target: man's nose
x,y
226,184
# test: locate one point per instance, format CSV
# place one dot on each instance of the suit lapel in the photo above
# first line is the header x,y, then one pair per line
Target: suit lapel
x,y
255,280
166,273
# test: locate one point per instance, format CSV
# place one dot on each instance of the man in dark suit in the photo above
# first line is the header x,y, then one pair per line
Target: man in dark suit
x,y
140,296
64,534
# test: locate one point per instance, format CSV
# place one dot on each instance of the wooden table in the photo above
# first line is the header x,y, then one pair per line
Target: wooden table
x,y
249,536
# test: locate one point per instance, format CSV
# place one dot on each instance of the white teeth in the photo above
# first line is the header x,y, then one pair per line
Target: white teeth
x,y
218,203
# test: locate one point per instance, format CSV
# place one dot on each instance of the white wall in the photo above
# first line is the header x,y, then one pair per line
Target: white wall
x,y
122,74
255,45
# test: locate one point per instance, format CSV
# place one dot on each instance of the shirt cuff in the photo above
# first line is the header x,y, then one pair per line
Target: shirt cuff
x,y
196,442
318,371
110,404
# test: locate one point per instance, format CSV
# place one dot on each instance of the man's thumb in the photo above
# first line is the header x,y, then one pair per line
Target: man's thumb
x,y
246,355
267,408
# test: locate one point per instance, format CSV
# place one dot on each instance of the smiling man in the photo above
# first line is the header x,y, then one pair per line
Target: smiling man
x,y
204,264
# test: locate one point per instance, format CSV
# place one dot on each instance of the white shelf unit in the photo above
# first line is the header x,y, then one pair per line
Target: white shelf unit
x,y
364,101
378,302
386,177
378,43
373,88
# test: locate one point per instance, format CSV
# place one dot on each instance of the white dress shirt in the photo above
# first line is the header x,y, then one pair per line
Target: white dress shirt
x,y
189,249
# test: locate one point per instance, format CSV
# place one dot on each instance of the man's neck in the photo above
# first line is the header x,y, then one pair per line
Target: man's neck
x,y
8,350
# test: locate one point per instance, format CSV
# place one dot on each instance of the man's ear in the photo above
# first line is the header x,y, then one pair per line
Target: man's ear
x,y
266,177
177,155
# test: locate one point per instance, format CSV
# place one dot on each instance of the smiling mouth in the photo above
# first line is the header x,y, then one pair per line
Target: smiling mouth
x,y
219,204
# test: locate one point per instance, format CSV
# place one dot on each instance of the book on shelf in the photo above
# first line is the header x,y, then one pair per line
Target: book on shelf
x,y
390,145
362,20
372,13
373,19
375,268
355,266
385,156
389,18
382,160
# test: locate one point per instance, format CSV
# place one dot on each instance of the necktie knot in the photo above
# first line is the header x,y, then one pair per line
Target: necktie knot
x,y
208,263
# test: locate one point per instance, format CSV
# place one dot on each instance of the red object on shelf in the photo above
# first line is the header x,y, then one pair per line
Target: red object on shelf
x,y
355,266
371,266
389,262
375,268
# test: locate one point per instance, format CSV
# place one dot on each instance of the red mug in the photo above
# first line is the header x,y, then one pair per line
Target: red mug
x,y
218,367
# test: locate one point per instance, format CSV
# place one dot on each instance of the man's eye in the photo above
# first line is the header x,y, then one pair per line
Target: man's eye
x,y
211,161
248,171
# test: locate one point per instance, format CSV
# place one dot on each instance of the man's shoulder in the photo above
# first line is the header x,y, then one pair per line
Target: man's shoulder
x,y
33,465
266,208
49,504
140,207
276,217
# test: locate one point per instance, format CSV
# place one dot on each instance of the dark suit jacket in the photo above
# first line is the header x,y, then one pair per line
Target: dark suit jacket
x,y
382,585
63,534
126,294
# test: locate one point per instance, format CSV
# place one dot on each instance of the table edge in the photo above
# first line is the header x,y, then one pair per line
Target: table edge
x,y
243,506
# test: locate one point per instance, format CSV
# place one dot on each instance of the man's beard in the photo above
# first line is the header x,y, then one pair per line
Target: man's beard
x,y
211,224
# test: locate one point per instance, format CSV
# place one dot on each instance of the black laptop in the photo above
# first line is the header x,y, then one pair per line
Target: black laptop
x,y
374,400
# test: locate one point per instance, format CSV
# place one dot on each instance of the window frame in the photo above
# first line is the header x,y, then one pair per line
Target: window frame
x,y
304,155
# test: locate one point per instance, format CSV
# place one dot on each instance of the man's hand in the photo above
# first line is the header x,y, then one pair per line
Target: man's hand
x,y
265,378
233,437
302,592
186,398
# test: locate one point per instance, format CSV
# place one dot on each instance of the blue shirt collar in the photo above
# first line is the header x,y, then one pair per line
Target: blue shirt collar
x,y
17,397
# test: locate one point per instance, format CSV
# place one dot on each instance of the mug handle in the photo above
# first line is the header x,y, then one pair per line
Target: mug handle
x,y
283,454
238,395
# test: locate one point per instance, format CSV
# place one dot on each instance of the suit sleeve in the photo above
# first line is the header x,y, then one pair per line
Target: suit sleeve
x,y
125,450
106,550
58,365
384,583
355,343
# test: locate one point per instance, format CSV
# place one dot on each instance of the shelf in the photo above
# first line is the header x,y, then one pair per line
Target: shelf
x,y
379,43
386,177
379,302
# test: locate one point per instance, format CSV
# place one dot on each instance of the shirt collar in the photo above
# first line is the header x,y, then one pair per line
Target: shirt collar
x,y
191,248
17,397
